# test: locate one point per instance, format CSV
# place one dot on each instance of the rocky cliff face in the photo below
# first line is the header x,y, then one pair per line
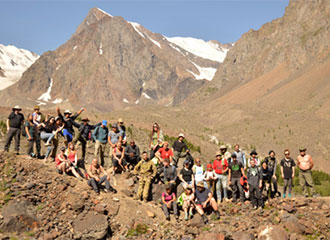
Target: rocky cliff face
x,y
300,37
109,63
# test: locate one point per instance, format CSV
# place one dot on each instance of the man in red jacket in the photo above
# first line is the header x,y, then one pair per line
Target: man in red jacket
x,y
220,166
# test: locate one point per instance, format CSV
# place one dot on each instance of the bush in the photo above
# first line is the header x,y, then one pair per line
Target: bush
x,y
3,128
190,145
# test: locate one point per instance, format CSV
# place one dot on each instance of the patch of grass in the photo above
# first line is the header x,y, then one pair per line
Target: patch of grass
x,y
30,234
206,229
3,128
138,231
40,207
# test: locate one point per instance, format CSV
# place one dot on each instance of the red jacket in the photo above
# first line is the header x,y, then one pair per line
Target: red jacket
x,y
219,167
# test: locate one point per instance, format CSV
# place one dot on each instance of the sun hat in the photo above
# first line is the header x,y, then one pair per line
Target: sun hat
x,y
17,108
253,152
67,111
200,184
85,119
302,149
223,147
218,153
120,120
181,135
36,107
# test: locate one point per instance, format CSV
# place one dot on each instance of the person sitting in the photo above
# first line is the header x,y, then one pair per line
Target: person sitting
x,y
204,200
97,175
188,203
235,172
63,165
180,149
164,153
132,154
210,178
146,171
198,170
72,156
255,184
114,136
169,202
187,176
118,154
168,173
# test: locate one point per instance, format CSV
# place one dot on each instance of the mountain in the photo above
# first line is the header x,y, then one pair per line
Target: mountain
x,y
124,63
13,62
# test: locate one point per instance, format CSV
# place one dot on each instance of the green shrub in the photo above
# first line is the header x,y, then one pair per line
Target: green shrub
x,y
191,146
139,230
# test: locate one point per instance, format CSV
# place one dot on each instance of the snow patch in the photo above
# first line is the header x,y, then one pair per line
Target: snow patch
x,y
14,62
58,101
137,101
146,96
46,96
100,49
104,12
87,23
125,100
74,48
177,49
41,103
154,41
204,72
136,28
208,50
143,84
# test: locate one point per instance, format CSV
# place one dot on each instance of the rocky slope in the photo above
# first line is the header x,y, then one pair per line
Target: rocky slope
x,y
38,203
13,62
124,64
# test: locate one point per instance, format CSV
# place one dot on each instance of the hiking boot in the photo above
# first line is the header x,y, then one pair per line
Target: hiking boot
x,y
284,195
255,207
205,220
168,218
113,190
217,214
186,217
190,214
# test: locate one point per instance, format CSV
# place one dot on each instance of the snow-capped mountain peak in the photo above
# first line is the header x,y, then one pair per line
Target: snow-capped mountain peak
x,y
13,62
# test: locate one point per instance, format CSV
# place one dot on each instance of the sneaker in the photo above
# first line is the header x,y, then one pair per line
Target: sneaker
x,y
219,202
145,200
289,195
255,207
205,220
186,217
113,190
284,195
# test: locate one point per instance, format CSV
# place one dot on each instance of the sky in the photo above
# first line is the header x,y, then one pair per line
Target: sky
x,y
42,25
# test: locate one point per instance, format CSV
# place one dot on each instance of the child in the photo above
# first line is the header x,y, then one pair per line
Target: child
x,y
255,182
287,171
169,202
210,178
188,203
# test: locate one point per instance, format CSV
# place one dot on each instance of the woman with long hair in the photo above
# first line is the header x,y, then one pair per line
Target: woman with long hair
x,y
156,138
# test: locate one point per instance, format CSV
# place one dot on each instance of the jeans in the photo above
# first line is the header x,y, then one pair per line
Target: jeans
x,y
255,196
46,137
287,185
173,206
221,181
30,147
96,184
67,135
13,132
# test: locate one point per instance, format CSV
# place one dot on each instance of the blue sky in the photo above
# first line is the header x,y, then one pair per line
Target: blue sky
x,y
40,26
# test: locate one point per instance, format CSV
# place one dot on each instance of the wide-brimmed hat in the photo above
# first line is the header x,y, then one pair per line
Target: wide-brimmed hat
x,y
302,149
223,147
253,152
36,107
200,184
114,125
181,135
218,153
120,120
85,119
17,108
67,111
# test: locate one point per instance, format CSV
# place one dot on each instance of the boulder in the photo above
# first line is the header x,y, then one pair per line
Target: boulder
x,y
242,236
91,226
211,235
272,232
294,226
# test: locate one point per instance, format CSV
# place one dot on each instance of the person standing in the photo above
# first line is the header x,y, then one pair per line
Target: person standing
x,y
272,163
305,164
287,171
30,135
253,156
100,135
255,184
156,137
180,149
69,122
14,122
235,172
220,166
84,129
122,129
38,119
240,155
146,171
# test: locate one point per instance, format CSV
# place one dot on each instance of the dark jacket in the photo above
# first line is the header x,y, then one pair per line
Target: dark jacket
x,y
169,173
135,150
86,129
69,122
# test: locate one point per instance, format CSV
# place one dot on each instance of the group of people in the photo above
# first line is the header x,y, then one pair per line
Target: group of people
x,y
188,184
